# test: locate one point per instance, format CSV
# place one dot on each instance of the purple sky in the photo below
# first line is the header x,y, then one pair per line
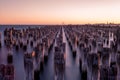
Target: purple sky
x,y
58,11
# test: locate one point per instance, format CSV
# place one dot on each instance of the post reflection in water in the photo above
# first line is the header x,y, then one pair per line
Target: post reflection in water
x,y
59,52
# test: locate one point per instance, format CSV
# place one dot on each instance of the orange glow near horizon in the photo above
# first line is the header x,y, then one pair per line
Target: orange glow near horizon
x,y
59,11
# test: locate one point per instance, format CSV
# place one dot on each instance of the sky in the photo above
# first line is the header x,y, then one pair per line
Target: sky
x,y
59,11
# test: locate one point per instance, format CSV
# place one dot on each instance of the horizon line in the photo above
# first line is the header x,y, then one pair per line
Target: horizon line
x,y
68,24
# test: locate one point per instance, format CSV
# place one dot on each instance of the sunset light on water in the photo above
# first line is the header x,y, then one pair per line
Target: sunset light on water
x,y
59,39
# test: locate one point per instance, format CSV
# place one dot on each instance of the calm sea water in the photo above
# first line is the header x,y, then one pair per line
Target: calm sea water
x,y
71,69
